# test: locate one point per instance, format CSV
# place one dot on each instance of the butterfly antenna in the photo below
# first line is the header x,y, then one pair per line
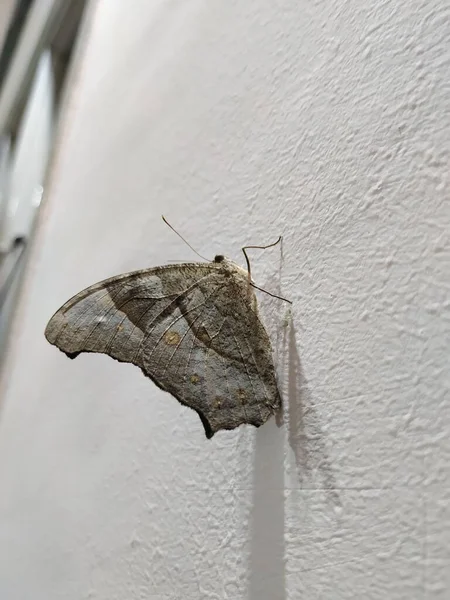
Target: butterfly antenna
x,y
249,268
259,248
185,241
270,293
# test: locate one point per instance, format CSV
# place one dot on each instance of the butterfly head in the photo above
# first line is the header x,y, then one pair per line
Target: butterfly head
x,y
231,265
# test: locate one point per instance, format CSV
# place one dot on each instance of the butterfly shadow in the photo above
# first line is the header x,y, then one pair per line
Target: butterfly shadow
x,y
267,574
267,577
305,434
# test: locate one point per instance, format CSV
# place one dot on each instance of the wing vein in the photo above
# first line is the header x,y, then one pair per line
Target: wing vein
x,y
152,323
80,316
189,326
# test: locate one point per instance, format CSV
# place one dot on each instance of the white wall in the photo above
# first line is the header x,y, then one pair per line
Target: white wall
x,y
328,122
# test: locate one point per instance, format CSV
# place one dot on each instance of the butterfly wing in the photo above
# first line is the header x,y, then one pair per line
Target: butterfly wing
x,y
193,329
117,315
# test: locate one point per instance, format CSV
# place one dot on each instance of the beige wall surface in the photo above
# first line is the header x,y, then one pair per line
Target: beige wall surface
x,y
328,122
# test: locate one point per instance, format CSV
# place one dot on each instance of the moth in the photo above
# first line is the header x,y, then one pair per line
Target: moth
x,y
193,328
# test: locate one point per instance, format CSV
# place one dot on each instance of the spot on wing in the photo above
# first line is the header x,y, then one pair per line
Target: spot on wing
x,y
172,338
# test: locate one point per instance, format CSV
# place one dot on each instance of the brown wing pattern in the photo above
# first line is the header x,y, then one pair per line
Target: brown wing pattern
x,y
191,328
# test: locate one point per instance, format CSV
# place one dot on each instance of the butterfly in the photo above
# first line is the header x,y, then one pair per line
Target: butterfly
x,y
193,328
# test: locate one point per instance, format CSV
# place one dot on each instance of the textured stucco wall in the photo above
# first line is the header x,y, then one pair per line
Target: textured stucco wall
x,y
328,122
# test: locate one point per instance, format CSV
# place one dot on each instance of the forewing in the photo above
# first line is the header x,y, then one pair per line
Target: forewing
x,y
115,316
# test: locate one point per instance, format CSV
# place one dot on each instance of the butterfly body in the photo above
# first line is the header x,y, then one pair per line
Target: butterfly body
x,y
194,329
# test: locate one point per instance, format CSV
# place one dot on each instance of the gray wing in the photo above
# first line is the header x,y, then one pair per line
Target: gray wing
x,y
190,328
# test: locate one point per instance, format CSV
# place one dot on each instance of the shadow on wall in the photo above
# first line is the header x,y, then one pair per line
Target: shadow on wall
x,y
267,579
313,469
301,422
305,434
